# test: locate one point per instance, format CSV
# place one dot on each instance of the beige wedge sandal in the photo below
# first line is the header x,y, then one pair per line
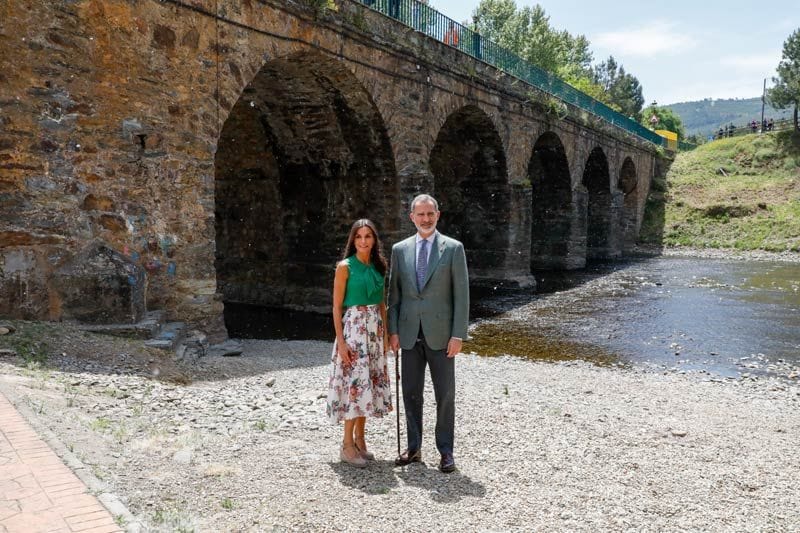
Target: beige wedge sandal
x,y
351,455
361,446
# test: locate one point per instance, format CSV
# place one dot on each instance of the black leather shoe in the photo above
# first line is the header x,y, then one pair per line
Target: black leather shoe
x,y
408,457
447,464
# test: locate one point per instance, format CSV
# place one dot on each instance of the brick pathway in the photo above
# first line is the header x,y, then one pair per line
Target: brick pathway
x,y
38,493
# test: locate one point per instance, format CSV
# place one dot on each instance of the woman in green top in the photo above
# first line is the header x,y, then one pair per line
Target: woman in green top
x,y
358,382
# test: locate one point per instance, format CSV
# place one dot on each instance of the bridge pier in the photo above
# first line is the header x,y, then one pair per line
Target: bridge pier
x,y
225,154
630,188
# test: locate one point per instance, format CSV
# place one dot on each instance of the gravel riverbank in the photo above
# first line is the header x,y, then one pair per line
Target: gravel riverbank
x,y
241,444
720,253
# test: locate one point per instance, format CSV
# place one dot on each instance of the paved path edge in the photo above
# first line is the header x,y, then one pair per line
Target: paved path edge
x,y
98,488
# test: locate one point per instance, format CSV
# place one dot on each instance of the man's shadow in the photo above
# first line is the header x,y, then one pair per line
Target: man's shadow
x,y
380,477
443,488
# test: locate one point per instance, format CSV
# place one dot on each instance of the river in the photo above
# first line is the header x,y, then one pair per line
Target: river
x,y
727,318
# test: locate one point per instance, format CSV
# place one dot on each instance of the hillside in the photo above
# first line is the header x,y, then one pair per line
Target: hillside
x,y
741,192
706,116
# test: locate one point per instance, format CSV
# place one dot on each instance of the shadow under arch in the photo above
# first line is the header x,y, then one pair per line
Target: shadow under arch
x,y
468,163
629,186
600,216
303,153
552,207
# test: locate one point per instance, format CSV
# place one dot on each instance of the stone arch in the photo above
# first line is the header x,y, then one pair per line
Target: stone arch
x,y
468,164
302,153
600,215
551,201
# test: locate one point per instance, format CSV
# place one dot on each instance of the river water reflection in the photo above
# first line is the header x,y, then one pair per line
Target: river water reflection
x,y
726,317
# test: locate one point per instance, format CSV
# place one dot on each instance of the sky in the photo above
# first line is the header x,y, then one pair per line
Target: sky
x,y
679,50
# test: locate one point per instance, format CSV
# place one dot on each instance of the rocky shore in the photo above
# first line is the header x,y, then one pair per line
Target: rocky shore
x,y
241,444
719,253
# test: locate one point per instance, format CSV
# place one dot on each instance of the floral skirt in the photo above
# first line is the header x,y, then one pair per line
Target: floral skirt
x,y
361,388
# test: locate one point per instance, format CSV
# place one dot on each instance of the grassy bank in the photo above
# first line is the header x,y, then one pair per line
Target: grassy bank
x,y
741,193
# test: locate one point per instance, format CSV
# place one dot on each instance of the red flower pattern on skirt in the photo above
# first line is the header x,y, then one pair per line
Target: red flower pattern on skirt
x,y
361,388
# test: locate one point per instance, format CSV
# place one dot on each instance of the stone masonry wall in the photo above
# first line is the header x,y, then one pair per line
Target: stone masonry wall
x,y
111,112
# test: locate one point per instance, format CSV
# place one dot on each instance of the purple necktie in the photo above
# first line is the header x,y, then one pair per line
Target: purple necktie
x,y
422,263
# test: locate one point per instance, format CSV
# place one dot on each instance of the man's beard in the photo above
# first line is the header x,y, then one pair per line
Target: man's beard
x,y
421,230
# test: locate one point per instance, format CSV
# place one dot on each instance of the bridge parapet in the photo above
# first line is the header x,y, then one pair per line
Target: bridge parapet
x,y
427,20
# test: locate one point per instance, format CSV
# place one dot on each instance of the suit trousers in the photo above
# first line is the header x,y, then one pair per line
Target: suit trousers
x,y
443,377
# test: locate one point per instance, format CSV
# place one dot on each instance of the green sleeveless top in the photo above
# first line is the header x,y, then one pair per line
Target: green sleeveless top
x,y
364,284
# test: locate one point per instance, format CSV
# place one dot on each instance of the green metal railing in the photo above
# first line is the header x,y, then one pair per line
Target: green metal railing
x,y
427,20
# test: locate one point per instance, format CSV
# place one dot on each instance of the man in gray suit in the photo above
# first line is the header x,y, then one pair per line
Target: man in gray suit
x,y
428,315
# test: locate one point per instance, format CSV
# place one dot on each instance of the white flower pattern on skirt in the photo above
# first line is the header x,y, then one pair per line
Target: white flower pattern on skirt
x,y
362,388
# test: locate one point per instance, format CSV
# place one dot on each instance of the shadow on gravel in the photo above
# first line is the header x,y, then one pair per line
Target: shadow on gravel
x,y
264,356
443,488
487,302
377,478
550,281
64,346
380,477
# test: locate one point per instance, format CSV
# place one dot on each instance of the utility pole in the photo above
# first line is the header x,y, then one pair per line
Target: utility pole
x,y
763,101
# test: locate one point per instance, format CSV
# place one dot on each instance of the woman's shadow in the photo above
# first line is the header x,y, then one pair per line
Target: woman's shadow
x,y
380,477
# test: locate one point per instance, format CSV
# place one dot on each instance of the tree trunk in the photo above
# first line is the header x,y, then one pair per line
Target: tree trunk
x,y
796,128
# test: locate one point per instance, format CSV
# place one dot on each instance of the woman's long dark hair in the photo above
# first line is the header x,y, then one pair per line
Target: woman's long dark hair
x,y
376,254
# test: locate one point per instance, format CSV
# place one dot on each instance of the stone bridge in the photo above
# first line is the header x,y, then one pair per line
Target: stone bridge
x,y
178,155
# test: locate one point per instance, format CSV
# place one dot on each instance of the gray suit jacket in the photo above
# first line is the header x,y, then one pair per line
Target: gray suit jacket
x,y
442,307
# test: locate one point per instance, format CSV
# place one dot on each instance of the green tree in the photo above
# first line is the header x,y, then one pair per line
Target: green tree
x,y
605,74
622,90
587,86
527,33
786,92
663,118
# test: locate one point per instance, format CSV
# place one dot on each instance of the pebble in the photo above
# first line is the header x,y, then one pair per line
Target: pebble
x,y
183,456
